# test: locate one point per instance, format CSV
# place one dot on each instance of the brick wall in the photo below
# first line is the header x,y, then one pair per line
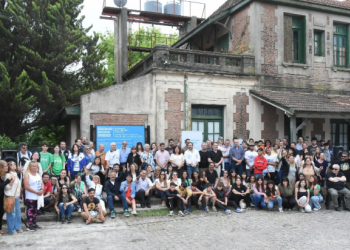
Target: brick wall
x,y
241,117
269,38
318,127
240,29
173,115
270,118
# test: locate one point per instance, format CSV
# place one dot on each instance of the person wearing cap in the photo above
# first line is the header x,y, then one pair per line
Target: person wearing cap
x,y
336,185
313,146
249,157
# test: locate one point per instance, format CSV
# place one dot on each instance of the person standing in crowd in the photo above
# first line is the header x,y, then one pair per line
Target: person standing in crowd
x,y
171,146
133,157
285,144
283,164
92,209
315,194
65,204
239,192
23,155
112,188
84,141
211,176
286,192
249,157
45,158
308,169
162,157
184,149
327,153
128,189
12,189
313,146
225,149
291,172
237,157
144,189
299,145
302,196
34,187
91,146
147,158
321,162
216,157
124,153
273,194
102,154
76,162
35,157
81,147
336,185
177,160
162,187
271,164
139,148
317,154
95,168
89,157
204,155
260,163
274,150
64,151
113,156
58,161
209,145
192,159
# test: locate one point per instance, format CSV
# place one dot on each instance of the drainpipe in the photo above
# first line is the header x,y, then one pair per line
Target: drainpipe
x,y
187,106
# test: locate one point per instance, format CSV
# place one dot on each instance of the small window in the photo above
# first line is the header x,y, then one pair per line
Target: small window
x,y
294,39
318,42
340,46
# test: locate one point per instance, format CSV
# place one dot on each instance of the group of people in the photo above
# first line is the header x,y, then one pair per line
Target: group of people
x,y
221,176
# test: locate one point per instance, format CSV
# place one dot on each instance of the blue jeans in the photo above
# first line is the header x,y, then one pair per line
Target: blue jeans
x,y
279,176
259,201
69,209
47,201
227,166
315,201
162,195
272,203
248,173
14,219
237,168
257,175
121,197
191,169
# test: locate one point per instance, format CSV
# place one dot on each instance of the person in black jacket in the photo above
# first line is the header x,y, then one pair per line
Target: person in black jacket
x,y
113,193
3,171
133,157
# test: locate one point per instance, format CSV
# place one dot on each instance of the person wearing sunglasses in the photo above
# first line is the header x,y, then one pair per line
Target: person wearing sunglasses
x,y
162,187
64,204
336,185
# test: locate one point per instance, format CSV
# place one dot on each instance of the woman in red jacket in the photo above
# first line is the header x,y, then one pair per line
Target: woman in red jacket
x,y
260,163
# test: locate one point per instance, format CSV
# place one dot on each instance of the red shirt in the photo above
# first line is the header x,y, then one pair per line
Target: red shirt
x,y
260,164
47,187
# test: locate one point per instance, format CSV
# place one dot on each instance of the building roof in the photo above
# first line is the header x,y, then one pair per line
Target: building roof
x,y
228,4
293,102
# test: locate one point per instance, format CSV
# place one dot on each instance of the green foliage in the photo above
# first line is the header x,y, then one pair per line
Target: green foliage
x,y
239,49
47,60
144,37
5,142
53,134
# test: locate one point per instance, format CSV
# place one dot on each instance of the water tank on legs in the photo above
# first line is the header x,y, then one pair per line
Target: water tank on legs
x,y
151,6
120,3
173,8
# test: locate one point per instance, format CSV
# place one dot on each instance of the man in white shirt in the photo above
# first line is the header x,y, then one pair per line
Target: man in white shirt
x,y
300,143
192,159
249,157
112,156
271,164
143,187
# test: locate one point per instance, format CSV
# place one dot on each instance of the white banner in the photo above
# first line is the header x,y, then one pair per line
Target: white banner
x,y
196,138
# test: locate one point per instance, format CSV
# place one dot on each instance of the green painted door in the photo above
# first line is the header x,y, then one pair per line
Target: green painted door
x,y
223,43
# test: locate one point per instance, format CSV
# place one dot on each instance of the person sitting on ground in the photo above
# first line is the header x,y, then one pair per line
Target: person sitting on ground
x,y
174,178
226,180
64,204
186,196
162,187
149,174
79,191
168,171
302,196
156,173
92,209
144,189
239,192
112,188
185,178
174,198
259,193
133,171
95,184
250,186
195,178
208,197
221,198
300,177
211,175
315,193
286,191
54,192
336,185
273,194
46,192
128,189
196,193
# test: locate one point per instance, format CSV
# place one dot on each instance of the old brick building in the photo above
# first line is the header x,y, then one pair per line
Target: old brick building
x,y
294,80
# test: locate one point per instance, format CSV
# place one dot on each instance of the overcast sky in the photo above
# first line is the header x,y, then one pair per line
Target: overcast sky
x,y
93,9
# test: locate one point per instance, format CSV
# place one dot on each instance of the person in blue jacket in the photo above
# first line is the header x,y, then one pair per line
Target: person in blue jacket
x,y
76,162
128,189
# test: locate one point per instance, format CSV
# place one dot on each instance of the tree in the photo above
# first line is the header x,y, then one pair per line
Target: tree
x,y
47,60
144,37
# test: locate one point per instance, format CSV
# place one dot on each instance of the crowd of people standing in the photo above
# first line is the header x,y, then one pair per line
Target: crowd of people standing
x,y
221,176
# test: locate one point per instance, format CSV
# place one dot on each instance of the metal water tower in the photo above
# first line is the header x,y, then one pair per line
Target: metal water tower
x,y
153,6
174,7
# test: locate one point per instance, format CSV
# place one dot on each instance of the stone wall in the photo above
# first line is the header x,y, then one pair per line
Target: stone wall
x,y
241,117
270,119
173,114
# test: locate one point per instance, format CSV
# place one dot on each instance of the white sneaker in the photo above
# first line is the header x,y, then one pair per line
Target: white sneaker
x,y
79,210
280,209
214,208
316,209
171,213
181,213
302,210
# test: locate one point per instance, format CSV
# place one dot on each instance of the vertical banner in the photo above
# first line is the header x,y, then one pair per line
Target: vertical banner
x,y
194,136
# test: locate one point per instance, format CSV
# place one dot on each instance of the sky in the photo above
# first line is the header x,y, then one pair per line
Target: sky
x,y
93,9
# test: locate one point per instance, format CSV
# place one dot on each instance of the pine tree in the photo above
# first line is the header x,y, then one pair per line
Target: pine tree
x,y
47,60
